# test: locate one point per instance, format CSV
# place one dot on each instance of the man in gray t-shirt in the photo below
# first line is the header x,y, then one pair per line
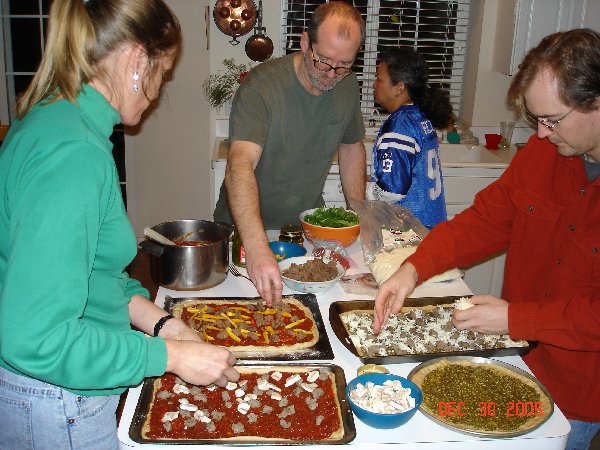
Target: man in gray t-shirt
x,y
289,118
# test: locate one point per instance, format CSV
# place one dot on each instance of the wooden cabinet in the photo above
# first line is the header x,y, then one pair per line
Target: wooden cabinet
x,y
521,25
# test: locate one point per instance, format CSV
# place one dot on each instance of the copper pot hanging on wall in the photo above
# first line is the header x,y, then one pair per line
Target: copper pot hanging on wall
x,y
259,47
234,17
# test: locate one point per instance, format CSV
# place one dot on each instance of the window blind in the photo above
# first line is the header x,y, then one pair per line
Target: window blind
x,y
436,29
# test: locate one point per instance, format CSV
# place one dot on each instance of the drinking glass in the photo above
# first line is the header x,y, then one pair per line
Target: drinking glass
x,y
506,131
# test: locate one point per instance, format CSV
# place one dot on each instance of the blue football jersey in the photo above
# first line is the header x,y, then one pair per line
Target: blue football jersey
x,y
406,166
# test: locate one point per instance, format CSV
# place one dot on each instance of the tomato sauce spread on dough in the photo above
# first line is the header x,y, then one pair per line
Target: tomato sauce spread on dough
x,y
250,324
273,404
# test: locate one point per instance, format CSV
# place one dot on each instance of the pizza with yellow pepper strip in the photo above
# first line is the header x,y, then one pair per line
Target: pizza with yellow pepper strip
x,y
250,326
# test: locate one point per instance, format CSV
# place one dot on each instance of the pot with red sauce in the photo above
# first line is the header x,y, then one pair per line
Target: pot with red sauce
x,y
198,261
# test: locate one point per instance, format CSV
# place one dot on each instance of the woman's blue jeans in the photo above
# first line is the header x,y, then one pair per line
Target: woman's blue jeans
x,y
38,415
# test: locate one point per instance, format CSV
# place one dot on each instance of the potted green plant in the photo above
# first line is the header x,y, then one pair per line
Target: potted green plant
x,y
219,88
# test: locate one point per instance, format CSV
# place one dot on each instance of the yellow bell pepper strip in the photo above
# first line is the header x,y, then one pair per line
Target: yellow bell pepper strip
x,y
298,330
241,308
231,335
266,337
293,324
228,318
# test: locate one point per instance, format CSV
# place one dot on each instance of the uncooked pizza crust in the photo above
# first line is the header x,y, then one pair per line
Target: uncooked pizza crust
x,y
545,406
417,330
294,413
277,321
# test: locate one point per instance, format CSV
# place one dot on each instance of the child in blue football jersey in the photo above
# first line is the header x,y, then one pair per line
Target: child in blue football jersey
x,y
406,161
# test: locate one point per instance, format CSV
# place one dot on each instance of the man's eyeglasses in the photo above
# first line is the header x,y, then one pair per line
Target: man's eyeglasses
x,y
324,67
548,123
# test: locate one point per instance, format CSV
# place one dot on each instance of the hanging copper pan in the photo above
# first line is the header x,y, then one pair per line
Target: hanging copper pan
x,y
259,47
234,17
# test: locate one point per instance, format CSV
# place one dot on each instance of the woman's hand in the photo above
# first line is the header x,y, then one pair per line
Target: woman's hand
x,y
200,363
178,330
392,293
488,316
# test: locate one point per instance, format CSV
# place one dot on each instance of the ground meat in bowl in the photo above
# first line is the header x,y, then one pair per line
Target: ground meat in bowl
x,y
312,270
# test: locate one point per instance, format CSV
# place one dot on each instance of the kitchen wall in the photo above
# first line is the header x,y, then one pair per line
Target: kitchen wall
x,y
168,153
171,151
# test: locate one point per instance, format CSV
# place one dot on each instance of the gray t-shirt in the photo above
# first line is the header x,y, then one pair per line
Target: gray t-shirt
x,y
299,134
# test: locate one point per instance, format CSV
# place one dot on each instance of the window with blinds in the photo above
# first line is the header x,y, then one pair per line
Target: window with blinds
x,y
435,28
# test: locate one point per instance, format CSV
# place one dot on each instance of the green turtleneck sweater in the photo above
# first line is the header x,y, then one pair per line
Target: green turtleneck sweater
x,y
65,240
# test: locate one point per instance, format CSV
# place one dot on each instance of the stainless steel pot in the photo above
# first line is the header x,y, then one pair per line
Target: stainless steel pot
x,y
190,268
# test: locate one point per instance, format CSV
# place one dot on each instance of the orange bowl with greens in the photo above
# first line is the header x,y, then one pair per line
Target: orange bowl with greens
x,y
332,224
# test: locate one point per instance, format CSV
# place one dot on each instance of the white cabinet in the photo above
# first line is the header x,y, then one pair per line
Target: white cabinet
x,y
521,25
460,187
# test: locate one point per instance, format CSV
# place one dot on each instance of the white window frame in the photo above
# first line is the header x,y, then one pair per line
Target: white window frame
x,y
366,73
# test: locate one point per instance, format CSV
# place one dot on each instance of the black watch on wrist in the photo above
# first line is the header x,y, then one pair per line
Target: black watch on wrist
x,y
161,323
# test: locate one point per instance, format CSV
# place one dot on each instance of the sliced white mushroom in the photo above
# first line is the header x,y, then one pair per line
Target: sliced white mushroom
x,y
180,389
308,387
292,380
276,396
276,376
188,407
243,408
313,376
239,393
231,386
169,416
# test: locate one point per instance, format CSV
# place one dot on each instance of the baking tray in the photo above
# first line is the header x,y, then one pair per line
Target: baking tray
x,y
489,362
320,350
337,308
141,410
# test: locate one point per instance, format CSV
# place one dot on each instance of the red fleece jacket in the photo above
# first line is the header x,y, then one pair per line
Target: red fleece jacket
x,y
546,215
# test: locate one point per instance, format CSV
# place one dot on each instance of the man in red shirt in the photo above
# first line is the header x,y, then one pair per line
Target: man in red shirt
x,y
545,213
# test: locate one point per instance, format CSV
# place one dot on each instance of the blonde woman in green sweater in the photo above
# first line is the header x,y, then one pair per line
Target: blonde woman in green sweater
x,y
67,349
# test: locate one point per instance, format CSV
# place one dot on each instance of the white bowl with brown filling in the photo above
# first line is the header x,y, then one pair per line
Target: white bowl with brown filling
x,y
309,274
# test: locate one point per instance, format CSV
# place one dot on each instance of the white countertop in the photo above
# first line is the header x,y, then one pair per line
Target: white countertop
x,y
419,432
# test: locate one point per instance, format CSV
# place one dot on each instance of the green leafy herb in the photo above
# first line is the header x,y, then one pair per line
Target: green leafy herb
x,y
332,217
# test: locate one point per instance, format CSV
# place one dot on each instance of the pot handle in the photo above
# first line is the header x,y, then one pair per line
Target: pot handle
x,y
152,248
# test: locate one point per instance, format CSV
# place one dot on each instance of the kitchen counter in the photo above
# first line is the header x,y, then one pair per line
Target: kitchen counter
x,y
451,155
420,432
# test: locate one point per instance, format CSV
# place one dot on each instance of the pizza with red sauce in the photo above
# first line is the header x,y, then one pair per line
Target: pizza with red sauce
x,y
266,404
250,326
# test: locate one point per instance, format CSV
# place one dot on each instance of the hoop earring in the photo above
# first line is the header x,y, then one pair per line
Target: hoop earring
x,y
135,77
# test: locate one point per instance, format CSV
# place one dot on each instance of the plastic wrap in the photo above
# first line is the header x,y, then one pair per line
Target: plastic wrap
x,y
334,250
389,234
385,226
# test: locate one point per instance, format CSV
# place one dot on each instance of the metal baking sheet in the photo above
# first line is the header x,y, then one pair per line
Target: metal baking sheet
x,y
337,308
489,362
145,399
320,350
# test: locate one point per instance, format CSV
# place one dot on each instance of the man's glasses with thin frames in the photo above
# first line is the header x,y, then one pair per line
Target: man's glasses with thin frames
x,y
324,67
548,123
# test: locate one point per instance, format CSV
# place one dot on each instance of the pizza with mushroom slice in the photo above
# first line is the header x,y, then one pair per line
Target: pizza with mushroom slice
x,y
267,404
249,327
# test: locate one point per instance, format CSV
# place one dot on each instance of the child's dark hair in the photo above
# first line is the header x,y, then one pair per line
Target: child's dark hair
x,y
407,66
